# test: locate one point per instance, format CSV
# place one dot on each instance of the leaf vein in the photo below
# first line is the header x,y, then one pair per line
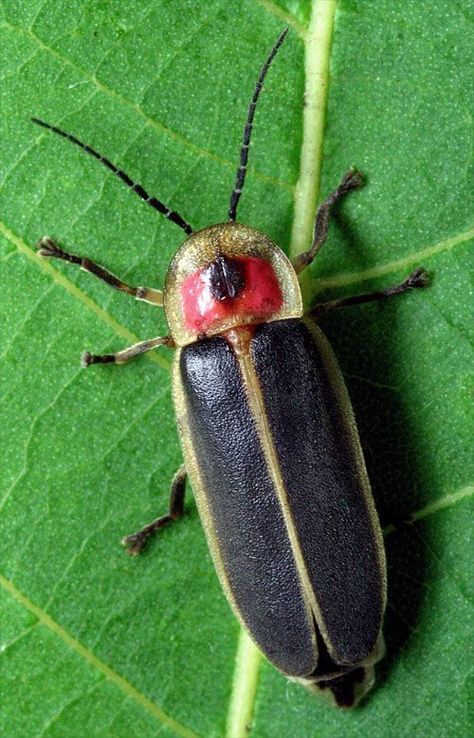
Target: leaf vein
x,y
76,699
136,108
120,39
22,323
273,9
441,503
70,287
125,686
30,437
447,244
74,558
136,420
188,38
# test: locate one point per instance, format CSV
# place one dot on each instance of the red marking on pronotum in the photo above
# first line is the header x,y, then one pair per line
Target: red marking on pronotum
x,y
259,298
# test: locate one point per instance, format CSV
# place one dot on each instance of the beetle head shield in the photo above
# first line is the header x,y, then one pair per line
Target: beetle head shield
x,y
228,275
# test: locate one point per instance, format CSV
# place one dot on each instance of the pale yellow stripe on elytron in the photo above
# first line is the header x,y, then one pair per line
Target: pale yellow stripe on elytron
x,y
258,410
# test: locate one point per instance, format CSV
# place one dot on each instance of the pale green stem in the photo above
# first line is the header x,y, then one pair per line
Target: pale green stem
x,y
317,42
317,53
247,667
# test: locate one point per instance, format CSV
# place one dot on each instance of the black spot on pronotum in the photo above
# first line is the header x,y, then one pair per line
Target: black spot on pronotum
x,y
225,278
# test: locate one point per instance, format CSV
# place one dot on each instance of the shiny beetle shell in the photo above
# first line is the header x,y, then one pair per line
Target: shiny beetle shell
x,y
272,451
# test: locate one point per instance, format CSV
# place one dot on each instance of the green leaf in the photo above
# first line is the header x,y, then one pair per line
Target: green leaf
x,y
96,643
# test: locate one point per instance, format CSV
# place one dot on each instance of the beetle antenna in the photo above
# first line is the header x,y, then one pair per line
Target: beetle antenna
x,y
137,188
244,151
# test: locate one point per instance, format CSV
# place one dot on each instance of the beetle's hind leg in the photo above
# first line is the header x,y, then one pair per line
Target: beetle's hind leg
x,y
351,181
135,542
418,278
49,249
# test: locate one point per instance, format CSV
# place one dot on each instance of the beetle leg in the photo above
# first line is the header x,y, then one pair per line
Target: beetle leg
x,y
418,278
49,249
351,181
136,541
129,353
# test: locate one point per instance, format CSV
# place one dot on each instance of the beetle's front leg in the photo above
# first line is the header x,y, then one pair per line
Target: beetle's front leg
x,y
135,542
49,249
418,278
351,181
120,357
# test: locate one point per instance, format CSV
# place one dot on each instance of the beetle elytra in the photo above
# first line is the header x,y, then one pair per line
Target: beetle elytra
x,y
269,439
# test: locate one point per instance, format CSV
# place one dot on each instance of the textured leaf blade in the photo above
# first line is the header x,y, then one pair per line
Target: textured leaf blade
x,y
114,646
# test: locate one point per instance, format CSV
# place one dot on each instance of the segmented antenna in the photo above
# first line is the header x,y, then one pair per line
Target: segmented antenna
x,y
244,151
138,189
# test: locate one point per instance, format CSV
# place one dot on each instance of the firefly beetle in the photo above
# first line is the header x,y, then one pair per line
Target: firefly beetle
x,y
269,439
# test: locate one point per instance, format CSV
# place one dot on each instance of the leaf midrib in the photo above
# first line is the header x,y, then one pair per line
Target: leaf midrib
x,y
317,43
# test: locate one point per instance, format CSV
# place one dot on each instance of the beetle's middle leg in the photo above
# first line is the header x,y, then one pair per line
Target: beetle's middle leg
x,y
135,542
351,181
418,278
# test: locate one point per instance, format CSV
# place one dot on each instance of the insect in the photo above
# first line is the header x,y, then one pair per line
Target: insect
x,y
268,437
